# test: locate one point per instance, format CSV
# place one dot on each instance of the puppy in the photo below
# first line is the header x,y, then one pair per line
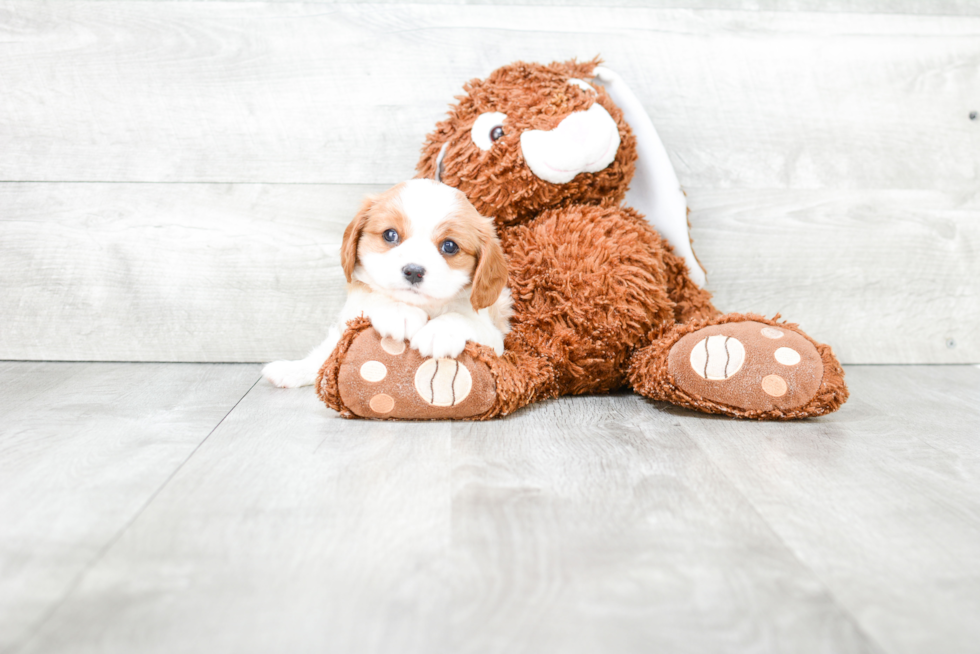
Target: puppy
x,y
422,265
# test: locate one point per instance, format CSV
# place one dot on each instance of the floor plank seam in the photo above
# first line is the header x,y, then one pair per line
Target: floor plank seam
x,y
32,633
830,593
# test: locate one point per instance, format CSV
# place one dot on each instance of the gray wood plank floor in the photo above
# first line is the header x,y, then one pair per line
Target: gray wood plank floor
x,y
185,508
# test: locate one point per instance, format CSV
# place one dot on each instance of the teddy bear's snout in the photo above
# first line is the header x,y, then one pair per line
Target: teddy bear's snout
x,y
583,142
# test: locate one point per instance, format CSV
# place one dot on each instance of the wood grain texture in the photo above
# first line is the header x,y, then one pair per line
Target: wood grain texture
x,y
584,525
170,272
339,93
83,448
579,525
291,530
593,525
883,276
201,272
915,7
880,500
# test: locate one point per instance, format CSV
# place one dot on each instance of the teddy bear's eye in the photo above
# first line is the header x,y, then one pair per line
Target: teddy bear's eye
x,y
390,235
487,128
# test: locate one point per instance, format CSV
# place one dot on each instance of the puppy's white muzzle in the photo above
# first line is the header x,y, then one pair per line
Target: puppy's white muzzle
x,y
584,142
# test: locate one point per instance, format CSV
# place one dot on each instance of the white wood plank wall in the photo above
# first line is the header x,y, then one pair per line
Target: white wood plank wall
x,y
175,176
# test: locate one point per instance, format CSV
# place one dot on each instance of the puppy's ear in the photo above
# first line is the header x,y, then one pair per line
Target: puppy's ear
x,y
352,236
491,273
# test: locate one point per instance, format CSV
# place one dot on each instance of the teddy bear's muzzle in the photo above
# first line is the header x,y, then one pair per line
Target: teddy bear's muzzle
x,y
583,142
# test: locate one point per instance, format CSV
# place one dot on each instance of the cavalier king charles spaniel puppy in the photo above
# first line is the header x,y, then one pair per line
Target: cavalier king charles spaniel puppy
x,y
423,266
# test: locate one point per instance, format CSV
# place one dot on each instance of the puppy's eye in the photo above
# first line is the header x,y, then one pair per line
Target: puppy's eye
x,y
390,235
449,247
487,128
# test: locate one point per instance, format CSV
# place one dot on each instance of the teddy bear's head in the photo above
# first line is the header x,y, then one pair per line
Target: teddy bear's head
x,y
530,137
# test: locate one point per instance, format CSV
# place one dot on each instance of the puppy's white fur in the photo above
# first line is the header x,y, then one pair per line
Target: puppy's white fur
x,y
450,306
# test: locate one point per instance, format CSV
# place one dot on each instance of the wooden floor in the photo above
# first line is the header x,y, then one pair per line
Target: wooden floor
x,y
192,508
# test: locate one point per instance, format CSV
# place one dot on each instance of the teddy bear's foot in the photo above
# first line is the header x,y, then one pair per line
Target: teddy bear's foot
x,y
741,366
386,379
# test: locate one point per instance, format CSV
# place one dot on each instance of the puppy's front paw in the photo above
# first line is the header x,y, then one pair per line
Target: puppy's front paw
x,y
442,338
398,321
291,374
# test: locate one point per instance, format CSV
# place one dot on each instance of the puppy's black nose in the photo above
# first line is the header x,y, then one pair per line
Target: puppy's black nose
x,y
413,273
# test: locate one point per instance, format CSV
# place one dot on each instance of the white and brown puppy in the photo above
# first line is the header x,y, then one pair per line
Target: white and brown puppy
x,y
422,265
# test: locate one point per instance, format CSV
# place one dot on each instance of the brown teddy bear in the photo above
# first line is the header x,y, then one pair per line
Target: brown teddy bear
x,y
601,300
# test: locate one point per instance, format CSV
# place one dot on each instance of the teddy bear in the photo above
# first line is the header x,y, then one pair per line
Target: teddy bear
x,y
601,300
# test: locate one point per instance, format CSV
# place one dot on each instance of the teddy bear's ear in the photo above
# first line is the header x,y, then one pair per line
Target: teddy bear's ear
x,y
352,235
434,149
655,190
439,157
427,167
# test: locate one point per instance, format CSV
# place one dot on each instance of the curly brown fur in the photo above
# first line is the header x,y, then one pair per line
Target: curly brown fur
x,y
589,284
326,381
522,378
690,301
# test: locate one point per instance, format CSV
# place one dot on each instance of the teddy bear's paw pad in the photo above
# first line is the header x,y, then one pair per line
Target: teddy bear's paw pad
x,y
384,378
747,365
443,382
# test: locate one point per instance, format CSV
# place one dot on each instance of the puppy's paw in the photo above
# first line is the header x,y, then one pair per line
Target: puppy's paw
x,y
398,321
291,374
442,338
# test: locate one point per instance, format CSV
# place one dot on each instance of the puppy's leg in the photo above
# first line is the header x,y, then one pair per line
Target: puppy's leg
x,y
303,372
395,320
447,335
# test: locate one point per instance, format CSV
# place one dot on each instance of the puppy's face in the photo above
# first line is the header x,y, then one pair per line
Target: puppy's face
x,y
423,243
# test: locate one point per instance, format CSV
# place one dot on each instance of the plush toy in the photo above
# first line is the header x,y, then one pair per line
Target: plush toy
x,y
601,300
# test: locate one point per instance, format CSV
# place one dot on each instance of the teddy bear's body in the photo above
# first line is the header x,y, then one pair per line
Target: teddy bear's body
x,y
592,285
601,301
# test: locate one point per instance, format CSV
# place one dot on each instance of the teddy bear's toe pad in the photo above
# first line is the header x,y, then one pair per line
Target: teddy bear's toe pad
x,y
383,378
747,365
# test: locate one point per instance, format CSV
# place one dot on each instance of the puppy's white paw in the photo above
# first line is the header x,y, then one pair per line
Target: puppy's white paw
x,y
442,338
398,321
291,374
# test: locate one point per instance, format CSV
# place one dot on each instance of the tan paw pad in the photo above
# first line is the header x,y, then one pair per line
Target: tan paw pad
x,y
392,346
717,357
443,382
774,385
373,371
382,403
787,356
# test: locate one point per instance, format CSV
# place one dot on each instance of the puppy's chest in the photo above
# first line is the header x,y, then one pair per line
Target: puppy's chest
x,y
453,306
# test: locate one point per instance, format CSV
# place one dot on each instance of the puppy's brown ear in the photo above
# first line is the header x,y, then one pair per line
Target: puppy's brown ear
x,y
491,274
352,236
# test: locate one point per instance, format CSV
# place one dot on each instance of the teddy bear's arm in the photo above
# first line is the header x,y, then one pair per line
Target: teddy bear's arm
x,y
655,190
